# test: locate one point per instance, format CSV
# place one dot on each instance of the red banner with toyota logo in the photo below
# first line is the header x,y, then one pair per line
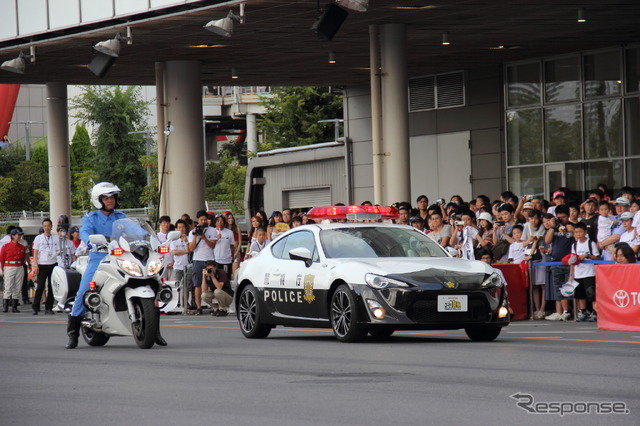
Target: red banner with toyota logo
x,y
618,297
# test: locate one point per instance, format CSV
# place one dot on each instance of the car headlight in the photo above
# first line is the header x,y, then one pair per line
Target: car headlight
x,y
380,282
130,267
493,281
154,267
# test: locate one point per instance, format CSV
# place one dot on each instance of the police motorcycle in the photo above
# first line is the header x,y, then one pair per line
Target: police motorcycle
x,y
122,298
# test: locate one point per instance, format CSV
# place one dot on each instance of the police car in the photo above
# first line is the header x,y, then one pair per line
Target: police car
x,y
366,278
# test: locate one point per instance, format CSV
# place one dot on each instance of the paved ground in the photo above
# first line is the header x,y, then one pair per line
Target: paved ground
x,y
210,374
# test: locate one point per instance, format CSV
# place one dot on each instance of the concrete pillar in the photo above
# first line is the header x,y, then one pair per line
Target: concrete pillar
x,y
252,134
161,125
376,107
184,174
396,177
58,151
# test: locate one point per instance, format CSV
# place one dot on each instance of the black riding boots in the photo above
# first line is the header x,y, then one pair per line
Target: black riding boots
x,y
73,331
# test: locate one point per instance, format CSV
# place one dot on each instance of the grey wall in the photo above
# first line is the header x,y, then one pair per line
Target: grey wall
x,y
482,117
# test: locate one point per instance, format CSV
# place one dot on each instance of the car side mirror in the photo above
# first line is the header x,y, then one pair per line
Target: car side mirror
x,y
301,253
173,235
98,239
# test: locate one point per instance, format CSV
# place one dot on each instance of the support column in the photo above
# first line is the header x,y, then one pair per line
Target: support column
x,y
376,107
252,134
58,151
396,176
184,173
161,125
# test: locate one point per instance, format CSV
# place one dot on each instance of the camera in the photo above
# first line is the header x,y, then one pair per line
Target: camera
x,y
459,223
199,230
209,271
500,223
440,201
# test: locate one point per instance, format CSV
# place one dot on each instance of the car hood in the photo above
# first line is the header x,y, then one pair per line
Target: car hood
x,y
432,273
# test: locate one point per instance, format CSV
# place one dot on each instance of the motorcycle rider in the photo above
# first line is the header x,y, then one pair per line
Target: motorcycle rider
x,y
104,197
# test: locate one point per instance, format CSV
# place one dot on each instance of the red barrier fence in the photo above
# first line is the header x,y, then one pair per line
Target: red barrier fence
x,y
518,289
618,297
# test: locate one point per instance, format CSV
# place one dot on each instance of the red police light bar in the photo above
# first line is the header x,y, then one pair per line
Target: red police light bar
x,y
353,212
117,252
163,249
92,286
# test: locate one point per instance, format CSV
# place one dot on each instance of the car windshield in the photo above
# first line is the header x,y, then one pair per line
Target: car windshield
x,y
378,241
137,233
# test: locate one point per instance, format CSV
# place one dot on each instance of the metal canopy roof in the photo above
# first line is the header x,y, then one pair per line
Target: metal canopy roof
x,y
276,47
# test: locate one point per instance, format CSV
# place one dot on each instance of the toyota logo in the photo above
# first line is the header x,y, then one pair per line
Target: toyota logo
x,y
621,299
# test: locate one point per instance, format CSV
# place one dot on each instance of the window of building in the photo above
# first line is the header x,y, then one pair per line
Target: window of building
x,y
523,84
602,76
524,135
633,69
526,180
562,79
632,125
562,133
603,129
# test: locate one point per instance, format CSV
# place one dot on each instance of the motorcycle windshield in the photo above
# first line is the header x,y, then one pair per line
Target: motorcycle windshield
x,y
135,232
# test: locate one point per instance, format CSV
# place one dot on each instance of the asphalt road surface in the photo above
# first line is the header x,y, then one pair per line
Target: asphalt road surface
x,y
211,375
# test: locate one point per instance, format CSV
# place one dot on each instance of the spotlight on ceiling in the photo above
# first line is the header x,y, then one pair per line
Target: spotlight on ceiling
x,y
234,74
224,26
445,38
357,5
332,58
582,15
18,65
111,47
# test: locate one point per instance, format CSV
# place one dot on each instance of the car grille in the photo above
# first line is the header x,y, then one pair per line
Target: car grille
x,y
426,311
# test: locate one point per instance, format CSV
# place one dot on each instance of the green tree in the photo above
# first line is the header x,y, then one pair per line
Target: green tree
x,y
28,187
81,152
224,180
293,113
116,111
81,183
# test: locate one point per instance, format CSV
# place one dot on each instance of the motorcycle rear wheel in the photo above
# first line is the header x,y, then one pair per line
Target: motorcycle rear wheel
x,y
94,338
145,323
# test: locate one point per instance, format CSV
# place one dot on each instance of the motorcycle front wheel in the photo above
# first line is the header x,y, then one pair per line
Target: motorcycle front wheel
x,y
145,323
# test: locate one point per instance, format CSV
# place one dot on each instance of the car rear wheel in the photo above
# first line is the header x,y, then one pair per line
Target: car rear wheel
x,y
249,315
344,316
483,334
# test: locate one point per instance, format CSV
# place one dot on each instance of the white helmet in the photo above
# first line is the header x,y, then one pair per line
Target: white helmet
x,y
103,189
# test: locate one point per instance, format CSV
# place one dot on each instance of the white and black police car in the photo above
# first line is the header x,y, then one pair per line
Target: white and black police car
x,y
366,278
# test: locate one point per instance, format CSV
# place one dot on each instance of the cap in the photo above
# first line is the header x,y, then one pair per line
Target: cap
x,y
527,206
623,216
591,200
416,219
558,194
73,229
16,232
486,216
622,201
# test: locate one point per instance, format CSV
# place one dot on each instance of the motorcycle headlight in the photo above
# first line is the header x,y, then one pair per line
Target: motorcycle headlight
x,y
154,267
493,281
379,282
130,267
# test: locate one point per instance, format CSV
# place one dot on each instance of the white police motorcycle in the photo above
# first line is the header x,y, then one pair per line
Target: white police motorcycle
x,y
127,290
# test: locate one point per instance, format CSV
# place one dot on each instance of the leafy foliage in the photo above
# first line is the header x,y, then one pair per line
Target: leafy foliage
x,y
116,111
224,179
293,113
24,185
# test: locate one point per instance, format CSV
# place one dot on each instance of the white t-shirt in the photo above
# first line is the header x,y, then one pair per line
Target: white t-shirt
x,y
501,275
202,252
180,261
516,252
469,234
583,270
605,224
47,249
222,250
636,220
630,238
4,240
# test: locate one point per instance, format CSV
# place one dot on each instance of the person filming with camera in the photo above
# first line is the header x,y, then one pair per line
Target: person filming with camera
x,y
201,243
216,285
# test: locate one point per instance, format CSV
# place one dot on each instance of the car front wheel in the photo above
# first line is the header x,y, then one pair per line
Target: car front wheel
x,y
483,334
344,316
249,314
